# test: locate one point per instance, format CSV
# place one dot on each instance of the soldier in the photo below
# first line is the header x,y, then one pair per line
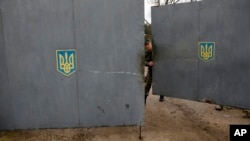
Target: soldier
x,y
149,63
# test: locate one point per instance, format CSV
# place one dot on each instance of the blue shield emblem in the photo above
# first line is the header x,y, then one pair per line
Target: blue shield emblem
x,y
66,61
206,51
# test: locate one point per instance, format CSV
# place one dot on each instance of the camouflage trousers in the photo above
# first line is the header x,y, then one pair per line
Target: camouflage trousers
x,y
148,83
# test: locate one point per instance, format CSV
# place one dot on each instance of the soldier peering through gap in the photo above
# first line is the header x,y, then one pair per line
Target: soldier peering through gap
x,y
149,63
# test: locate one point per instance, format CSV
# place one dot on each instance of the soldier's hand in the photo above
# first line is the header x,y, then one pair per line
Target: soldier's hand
x,y
151,63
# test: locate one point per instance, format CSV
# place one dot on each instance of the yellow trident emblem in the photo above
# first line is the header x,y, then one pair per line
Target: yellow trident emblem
x,y
206,51
66,61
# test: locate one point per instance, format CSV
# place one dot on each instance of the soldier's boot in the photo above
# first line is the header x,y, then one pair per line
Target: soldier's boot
x,y
161,98
145,101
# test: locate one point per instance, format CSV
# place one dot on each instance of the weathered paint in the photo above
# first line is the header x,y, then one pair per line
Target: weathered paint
x,y
177,31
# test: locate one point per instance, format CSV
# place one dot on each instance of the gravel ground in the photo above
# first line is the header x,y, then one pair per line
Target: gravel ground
x,y
171,120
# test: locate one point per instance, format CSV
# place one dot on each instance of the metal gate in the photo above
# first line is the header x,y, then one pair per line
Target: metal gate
x,y
70,63
202,50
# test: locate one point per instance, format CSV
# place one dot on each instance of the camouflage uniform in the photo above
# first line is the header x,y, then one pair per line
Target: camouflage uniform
x,y
148,58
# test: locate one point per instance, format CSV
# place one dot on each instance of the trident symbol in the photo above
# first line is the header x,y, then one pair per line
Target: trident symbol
x,y
66,63
206,52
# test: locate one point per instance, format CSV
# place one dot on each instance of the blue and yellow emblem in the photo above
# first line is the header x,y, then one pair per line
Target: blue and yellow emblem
x,y
66,61
206,51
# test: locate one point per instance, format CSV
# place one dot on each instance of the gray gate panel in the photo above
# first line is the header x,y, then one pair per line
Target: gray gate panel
x,y
181,79
224,80
3,78
106,90
109,41
175,50
37,96
226,22
209,80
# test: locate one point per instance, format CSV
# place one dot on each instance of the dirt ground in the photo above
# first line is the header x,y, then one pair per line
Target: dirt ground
x,y
171,120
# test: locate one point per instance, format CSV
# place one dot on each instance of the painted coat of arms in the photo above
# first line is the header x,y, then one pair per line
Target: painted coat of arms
x,y
206,51
66,61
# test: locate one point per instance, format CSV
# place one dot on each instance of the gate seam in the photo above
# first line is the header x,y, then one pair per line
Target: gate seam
x,y
4,44
198,62
74,37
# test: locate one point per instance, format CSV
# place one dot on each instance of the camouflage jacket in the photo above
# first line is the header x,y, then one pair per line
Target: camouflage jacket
x,y
148,58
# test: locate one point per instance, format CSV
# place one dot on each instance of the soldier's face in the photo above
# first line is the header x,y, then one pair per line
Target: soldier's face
x,y
149,47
